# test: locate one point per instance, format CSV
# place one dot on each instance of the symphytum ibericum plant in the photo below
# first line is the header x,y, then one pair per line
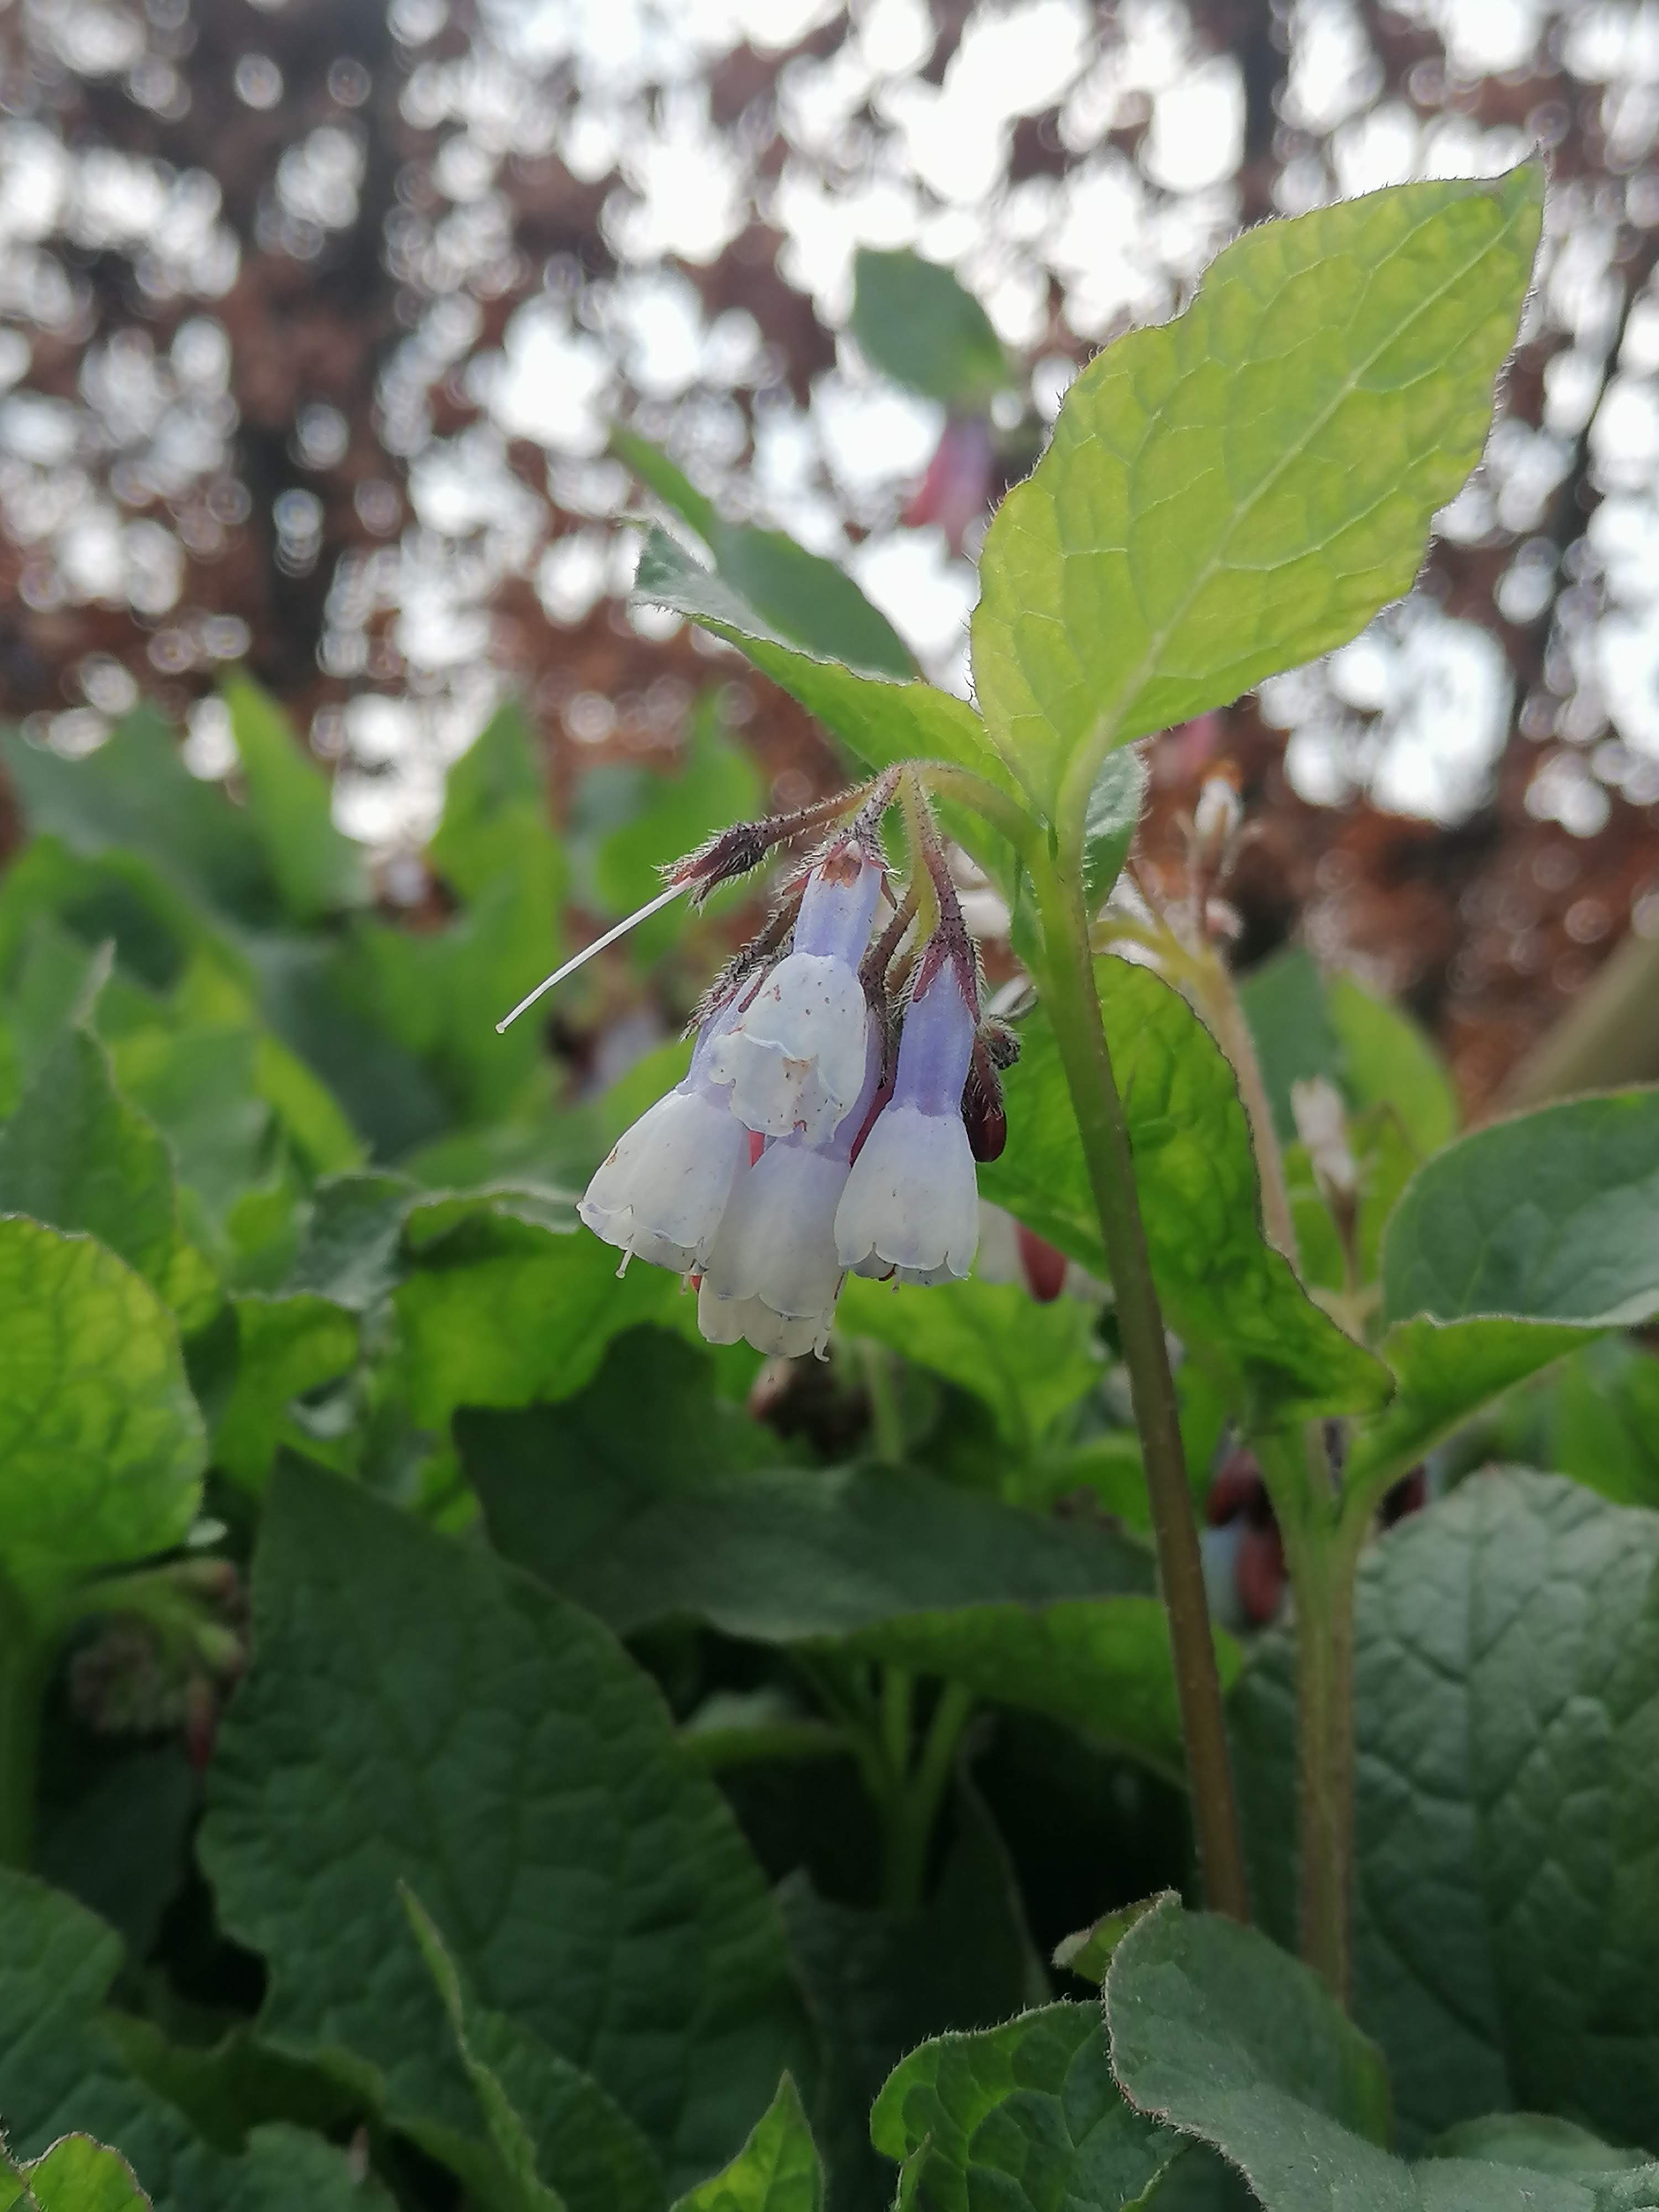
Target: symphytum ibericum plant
x,y
1223,496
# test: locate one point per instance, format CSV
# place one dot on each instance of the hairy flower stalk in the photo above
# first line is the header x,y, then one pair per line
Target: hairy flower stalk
x,y
831,1116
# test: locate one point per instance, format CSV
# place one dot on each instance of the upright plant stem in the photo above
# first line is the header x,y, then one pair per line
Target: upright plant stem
x,y
1074,1004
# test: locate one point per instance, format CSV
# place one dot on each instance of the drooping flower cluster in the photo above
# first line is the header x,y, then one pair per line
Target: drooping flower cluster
x,y
842,1085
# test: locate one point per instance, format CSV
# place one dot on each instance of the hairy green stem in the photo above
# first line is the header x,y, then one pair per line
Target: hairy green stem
x,y
1079,1031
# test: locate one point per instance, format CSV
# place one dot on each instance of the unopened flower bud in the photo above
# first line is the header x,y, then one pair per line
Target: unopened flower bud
x,y
1322,1123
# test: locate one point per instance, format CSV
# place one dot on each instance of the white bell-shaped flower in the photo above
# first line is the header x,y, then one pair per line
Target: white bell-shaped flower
x,y
659,1193
772,1277
911,1204
795,1058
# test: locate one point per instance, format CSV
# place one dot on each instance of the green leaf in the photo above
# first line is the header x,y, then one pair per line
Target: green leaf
x,y
1115,800
1090,1952
285,1345
348,1252
594,2159
1030,1363
1234,1298
1506,1951
317,870
510,1301
1537,2140
1602,1421
1388,1060
135,795
77,1156
99,1437
1509,1248
918,324
777,2170
416,1712
63,2070
804,599
1241,489
717,784
75,2175
1025,2116
879,719
880,1982
1217,2032
1296,1039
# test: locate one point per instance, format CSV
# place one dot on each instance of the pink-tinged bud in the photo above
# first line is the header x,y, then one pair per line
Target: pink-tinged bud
x,y
957,489
1043,1265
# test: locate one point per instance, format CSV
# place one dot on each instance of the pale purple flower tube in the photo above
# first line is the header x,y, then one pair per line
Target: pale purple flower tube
x,y
661,1192
795,1060
911,1204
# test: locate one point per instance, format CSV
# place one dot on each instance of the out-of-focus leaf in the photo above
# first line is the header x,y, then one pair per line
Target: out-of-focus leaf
x,y
77,1156
100,1437
1388,1060
1506,1952
1025,2115
1537,2140
285,1345
917,324
317,870
777,2170
1240,490
559,2144
1509,1248
1029,1363
1602,1421
1295,1040
807,600
416,1712
716,784
1223,1285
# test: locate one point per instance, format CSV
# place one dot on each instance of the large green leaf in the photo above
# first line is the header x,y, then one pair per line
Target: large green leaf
x,y
1507,1249
418,1713
1030,1363
1506,1934
1233,1298
75,2175
100,1441
76,1155
918,324
889,1565
1241,489
1025,2116
806,599
62,2069
135,795
317,870
285,1347
1218,2033
559,2144
879,718
777,2170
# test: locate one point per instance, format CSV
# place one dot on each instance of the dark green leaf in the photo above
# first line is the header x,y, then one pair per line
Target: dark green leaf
x,y
918,324
317,870
77,1156
806,600
777,2170
1535,2140
1602,1421
62,2070
1025,2116
1506,1948
100,1437
1507,1249
416,1712
1295,1040
560,2144
1228,1292
1241,489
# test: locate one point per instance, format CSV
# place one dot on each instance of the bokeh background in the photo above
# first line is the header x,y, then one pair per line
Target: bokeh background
x,y
319,315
